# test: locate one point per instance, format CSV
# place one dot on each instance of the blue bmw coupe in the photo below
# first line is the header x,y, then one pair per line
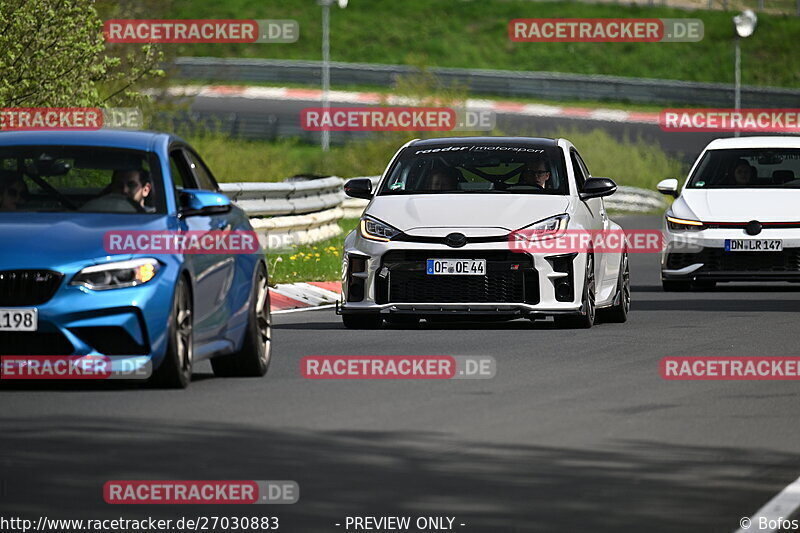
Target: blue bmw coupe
x,y
63,292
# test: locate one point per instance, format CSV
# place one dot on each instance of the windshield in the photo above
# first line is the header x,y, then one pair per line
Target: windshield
x,y
751,168
80,179
484,169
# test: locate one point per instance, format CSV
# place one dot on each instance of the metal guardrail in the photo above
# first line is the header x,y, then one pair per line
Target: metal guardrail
x,y
288,214
547,85
309,211
286,198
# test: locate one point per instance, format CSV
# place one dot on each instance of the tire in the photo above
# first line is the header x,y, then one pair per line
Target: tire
x,y
402,320
252,361
618,312
675,285
584,319
175,371
362,321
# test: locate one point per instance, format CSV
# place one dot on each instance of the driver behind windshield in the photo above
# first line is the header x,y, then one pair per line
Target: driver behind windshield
x,y
535,174
13,191
742,173
136,184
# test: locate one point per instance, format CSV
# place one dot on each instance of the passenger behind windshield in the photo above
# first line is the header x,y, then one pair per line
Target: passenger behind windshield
x,y
13,191
443,179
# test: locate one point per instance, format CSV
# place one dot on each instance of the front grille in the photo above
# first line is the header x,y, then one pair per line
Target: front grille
x,y
28,287
419,287
30,343
510,278
718,260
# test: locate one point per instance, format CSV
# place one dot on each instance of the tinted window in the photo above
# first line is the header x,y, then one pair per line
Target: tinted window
x,y
179,168
203,176
579,167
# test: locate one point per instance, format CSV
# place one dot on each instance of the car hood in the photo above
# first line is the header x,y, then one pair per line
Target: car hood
x,y
741,205
483,210
55,240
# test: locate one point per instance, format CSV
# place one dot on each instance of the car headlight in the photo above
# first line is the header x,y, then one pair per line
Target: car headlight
x,y
117,275
682,224
548,228
377,231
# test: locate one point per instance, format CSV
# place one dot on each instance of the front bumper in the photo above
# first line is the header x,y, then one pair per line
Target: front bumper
x,y
390,278
127,325
701,256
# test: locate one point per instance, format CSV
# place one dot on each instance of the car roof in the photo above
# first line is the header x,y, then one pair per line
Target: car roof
x,y
539,141
134,140
766,141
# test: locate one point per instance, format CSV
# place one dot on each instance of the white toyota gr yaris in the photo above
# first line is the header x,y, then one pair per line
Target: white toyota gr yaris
x,y
437,238
737,217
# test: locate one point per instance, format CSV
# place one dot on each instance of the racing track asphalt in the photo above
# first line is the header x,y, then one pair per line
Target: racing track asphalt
x,y
577,431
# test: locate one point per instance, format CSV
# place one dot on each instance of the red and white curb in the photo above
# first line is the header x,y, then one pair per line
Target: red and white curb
x,y
287,297
500,107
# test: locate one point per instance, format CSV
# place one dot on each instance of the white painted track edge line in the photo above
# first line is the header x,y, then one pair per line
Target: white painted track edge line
x,y
315,308
783,505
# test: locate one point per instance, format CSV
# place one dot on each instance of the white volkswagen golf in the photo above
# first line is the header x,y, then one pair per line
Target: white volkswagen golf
x,y
737,217
436,240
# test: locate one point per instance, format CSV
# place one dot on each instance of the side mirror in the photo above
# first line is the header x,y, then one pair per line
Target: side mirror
x,y
194,202
359,188
597,188
668,187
